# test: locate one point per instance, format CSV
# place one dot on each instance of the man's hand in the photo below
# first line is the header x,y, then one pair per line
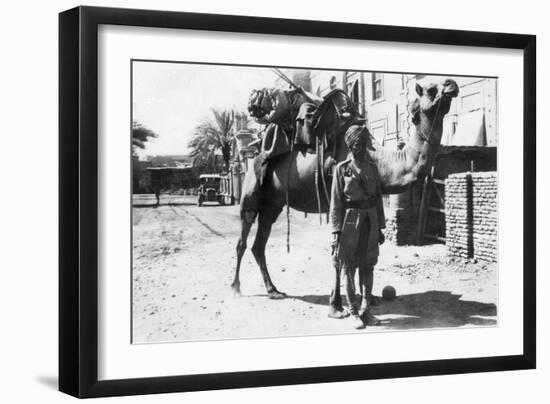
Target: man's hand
x,y
381,237
334,242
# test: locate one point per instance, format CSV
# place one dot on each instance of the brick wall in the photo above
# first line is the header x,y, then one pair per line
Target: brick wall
x,y
471,215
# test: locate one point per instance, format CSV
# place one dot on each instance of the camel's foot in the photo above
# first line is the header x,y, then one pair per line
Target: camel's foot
x,y
337,312
236,287
275,294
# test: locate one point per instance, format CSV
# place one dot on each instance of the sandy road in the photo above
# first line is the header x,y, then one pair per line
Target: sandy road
x,y
184,258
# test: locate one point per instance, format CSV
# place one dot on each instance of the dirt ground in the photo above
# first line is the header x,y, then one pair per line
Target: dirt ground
x,y
184,259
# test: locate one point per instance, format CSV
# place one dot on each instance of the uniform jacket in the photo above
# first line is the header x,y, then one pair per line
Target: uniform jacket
x,y
347,187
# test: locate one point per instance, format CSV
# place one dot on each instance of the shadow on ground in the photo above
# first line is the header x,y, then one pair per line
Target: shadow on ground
x,y
425,310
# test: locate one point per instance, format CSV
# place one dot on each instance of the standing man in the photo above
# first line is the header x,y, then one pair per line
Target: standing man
x,y
357,218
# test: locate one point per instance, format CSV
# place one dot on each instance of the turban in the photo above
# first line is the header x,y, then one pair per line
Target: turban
x,y
353,134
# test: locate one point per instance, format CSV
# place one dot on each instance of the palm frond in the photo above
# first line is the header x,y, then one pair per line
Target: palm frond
x,y
141,134
214,133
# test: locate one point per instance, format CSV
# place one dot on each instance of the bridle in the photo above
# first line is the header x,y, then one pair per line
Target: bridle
x,y
428,138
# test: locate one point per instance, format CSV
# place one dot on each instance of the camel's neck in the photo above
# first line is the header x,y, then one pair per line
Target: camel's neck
x,y
422,148
400,168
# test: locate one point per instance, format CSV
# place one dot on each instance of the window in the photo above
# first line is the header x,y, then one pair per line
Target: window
x,y
377,92
352,87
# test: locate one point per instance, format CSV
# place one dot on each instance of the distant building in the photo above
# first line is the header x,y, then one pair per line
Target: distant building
x,y
170,160
179,173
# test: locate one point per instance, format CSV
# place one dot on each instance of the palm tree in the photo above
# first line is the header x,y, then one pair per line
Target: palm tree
x,y
211,135
140,135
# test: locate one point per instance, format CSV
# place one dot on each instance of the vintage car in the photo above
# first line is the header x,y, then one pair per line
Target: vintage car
x,y
214,188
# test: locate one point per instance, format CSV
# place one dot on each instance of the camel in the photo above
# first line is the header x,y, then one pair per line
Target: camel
x,y
291,179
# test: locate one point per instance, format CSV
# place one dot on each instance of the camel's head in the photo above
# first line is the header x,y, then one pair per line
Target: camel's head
x,y
432,104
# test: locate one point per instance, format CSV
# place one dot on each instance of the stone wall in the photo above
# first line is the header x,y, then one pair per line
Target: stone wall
x,y
471,215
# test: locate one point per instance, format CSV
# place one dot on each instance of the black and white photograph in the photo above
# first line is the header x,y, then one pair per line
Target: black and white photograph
x,y
274,201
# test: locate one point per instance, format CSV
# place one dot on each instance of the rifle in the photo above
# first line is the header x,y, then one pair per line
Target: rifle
x,y
291,83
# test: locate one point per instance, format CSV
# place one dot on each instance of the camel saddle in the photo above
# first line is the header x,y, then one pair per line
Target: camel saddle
x,y
336,112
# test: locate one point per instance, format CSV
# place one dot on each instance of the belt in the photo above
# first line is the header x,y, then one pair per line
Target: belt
x,y
359,205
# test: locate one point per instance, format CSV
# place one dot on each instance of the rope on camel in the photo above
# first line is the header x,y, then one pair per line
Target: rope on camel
x,y
323,180
317,195
292,135
287,201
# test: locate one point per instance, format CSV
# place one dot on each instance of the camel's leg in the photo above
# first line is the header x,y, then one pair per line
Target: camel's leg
x,y
247,219
335,309
258,249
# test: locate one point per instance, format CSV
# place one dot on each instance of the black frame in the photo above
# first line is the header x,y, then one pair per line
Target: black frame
x,y
78,156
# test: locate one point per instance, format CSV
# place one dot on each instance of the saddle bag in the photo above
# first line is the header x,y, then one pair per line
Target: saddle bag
x,y
275,142
305,125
